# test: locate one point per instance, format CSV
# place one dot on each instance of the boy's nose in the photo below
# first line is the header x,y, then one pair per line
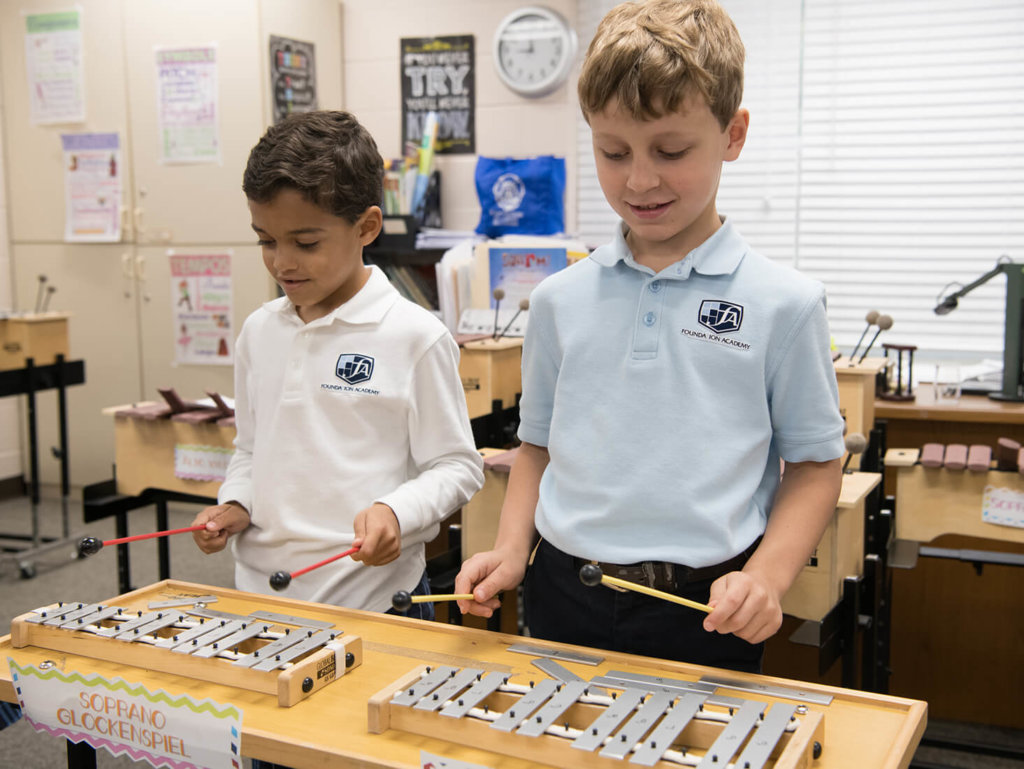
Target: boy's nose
x,y
642,177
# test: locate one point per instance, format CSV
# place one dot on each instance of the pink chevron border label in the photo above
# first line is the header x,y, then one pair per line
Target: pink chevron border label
x,y
176,731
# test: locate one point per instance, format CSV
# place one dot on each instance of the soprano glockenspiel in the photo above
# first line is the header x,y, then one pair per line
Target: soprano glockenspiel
x,y
263,652
569,724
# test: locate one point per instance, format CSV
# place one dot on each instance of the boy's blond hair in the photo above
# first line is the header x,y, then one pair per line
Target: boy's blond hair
x,y
650,55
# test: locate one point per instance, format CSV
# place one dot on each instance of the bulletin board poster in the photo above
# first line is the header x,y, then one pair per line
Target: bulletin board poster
x,y
437,76
187,105
518,270
92,187
202,305
292,77
53,63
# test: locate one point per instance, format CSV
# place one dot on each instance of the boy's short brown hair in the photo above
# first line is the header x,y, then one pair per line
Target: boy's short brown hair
x,y
650,55
326,155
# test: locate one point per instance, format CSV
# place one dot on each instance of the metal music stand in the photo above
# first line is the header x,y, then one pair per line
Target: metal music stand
x,y
898,393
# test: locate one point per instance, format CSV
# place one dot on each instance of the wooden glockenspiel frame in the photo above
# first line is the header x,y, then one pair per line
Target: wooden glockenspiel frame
x,y
580,724
280,655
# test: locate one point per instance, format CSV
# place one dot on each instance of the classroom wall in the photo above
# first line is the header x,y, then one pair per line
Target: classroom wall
x,y
369,69
506,124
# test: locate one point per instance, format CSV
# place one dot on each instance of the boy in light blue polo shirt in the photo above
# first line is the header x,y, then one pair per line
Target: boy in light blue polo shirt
x,y
665,377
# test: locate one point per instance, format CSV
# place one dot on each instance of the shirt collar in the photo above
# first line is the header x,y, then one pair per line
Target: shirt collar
x,y
369,305
720,254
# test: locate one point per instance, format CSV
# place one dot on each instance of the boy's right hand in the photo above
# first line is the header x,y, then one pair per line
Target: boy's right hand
x,y
485,575
221,522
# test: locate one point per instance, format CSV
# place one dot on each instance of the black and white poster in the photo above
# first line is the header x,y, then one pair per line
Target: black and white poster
x,y
437,76
292,77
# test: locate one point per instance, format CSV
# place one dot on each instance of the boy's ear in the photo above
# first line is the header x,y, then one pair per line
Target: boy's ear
x,y
736,133
370,224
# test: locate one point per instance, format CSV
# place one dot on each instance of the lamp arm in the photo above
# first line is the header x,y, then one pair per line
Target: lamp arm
x,y
983,279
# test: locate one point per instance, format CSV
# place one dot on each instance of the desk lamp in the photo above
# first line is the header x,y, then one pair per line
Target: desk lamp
x,y
1013,355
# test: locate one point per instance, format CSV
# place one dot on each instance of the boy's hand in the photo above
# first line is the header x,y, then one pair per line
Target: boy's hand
x,y
745,606
378,535
221,522
485,575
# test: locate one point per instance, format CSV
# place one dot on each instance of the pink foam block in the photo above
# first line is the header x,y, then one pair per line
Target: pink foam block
x,y
979,458
956,456
932,454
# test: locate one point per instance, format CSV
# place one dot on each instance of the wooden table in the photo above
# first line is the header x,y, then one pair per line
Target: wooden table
x,y
956,629
330,727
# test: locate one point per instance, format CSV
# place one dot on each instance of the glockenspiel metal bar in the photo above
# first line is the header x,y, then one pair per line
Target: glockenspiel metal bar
x,y
769,731
427,683
68,615
524,707
166,619
732,736
784,692
288,619
633,732
270,650
141,619
279,657
564,698
671,726
595,734
187,636
247,631
214,632
448,690
620,679
476,694
95,618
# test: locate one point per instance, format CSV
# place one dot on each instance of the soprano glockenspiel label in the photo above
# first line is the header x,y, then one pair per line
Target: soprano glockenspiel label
x,y
177,731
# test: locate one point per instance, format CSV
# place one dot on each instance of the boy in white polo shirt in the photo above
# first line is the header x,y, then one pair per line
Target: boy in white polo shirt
x,y
351,417
665,376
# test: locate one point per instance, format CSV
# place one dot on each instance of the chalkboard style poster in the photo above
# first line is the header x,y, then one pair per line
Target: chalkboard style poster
x,y
437,76
292,77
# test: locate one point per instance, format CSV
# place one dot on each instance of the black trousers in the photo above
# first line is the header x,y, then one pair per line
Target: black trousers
x,y
558,607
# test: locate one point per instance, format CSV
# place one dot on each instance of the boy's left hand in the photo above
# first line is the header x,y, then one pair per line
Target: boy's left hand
x,y
378,535
745,606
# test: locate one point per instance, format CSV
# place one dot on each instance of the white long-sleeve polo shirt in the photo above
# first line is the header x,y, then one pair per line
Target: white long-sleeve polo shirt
x,y
363,405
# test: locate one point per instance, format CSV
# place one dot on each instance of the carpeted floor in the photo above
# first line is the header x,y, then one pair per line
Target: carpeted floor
x,y
59,575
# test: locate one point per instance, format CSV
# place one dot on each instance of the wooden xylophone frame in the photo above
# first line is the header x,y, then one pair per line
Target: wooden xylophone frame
x,y
291,682
796,749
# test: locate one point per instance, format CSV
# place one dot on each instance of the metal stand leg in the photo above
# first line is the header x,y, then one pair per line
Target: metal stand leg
x,y
163,546
81,755
33,448
65,475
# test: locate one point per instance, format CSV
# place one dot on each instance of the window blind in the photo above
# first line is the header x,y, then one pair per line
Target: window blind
x,y
885,157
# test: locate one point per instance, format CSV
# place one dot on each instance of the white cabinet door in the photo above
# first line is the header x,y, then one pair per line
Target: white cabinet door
x,y
194,203
251,286
34,160
101,297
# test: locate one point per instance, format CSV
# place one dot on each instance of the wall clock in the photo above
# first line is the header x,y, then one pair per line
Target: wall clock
x,y
534,50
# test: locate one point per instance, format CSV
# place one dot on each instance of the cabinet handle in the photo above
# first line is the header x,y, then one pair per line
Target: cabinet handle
x,y
138,218
140,275
127,274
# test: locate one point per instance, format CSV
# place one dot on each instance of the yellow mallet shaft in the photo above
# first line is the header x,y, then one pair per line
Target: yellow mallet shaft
x,y
606,580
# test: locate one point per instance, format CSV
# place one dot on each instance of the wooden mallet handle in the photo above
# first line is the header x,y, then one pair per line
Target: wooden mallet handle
x,y
591,576
403,600
92,545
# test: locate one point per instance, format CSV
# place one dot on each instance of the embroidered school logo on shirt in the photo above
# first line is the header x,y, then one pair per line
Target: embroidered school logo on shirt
x,y
354,369
720,317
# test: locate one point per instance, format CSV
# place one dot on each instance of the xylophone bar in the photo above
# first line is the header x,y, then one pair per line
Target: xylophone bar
x,y
563,724
242,652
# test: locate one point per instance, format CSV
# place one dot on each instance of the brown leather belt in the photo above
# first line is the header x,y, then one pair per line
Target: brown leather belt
x,y
669,577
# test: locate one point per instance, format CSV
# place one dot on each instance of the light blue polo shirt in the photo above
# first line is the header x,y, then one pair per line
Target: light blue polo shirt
x,y
666,400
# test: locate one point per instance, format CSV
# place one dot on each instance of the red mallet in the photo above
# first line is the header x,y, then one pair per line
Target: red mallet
x,y
91,545
279,580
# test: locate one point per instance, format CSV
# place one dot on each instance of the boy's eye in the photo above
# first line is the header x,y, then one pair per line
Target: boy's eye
x,y
673,155
264,243
613,155
307,246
